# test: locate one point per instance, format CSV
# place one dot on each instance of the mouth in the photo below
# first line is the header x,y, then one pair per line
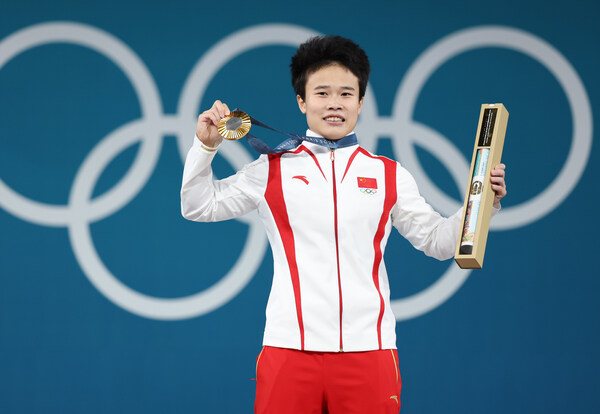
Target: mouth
x,y
334,120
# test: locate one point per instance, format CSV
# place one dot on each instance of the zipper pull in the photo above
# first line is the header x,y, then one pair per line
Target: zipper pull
x,y
332,154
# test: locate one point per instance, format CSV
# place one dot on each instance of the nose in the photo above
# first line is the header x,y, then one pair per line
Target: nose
x,y
333,102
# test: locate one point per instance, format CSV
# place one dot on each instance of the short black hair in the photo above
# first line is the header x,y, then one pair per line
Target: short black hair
x,y
321,51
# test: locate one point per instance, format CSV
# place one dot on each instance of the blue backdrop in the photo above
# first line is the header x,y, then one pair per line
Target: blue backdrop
x,y
111,302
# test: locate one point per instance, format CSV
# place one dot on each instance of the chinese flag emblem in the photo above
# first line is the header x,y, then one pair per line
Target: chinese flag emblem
x,y
364,182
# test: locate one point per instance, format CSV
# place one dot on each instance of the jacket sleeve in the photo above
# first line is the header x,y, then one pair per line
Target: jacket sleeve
x,y
420,224
206,199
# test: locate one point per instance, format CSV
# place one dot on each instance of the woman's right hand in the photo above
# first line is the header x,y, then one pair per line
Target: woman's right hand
x,y
206,129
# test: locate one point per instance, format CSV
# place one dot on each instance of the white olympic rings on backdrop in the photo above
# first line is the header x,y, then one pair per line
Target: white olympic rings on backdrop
x,y
406,132
154,125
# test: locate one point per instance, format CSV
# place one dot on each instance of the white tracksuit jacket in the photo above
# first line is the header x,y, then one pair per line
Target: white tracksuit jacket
x,y
328,215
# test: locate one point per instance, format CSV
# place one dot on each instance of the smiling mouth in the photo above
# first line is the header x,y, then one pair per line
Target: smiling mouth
x,y
334,119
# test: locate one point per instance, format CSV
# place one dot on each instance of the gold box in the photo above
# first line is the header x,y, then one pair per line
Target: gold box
x,y
477,209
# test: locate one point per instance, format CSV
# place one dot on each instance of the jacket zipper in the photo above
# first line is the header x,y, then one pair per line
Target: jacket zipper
x,y
337,249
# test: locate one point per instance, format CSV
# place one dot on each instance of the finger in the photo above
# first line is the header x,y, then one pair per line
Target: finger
x,y
500,191
204,118
209,118
498,172
215,118
221,109
497,180
227,111
498,188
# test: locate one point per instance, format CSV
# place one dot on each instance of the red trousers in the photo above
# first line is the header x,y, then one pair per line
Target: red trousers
x,y
300,382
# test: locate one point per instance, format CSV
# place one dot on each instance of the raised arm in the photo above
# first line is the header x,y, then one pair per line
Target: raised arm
x,y
206,199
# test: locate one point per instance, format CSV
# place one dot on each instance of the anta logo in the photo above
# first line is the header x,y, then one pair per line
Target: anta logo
x,y
301,178
367,185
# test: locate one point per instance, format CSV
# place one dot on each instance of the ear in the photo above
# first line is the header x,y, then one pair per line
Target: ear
x,y
301,104
360,104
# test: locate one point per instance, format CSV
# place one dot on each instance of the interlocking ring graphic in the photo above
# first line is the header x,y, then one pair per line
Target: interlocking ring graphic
x,y
82,210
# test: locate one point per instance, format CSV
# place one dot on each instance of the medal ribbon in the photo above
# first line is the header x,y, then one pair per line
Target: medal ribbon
x,y
294,140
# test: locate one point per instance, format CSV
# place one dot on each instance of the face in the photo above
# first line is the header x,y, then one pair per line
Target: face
x,y
331,103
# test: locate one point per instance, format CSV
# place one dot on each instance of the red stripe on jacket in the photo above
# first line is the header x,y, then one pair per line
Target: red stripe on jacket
x,y
276,202
390,199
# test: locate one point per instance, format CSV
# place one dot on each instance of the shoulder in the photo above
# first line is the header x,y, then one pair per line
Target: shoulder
x,y
403,177
374,156
256,169
389,164
258,163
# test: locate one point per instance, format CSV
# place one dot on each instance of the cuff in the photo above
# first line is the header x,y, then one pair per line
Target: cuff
x,y
496,210
200,146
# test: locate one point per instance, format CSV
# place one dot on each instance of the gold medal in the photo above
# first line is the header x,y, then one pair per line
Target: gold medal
x,y
234,126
